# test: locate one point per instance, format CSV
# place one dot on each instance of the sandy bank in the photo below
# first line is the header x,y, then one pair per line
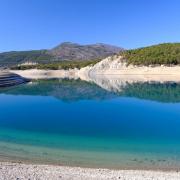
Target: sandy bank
x,y
10,171
109,67
157,74
45,74
117,66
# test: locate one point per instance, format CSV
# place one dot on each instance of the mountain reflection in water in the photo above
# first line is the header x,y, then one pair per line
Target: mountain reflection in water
x,y
73,90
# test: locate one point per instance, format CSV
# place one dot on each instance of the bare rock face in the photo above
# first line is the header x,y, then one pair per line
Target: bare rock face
x,y
73,51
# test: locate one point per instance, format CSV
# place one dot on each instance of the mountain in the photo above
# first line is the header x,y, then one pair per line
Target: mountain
x,y
72,51
64,52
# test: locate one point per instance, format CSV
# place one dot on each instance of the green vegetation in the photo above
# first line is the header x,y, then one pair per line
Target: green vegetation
x,y
68,90
162,54
63,52
57,65
39,59
167,54
74,90
161,92
14,57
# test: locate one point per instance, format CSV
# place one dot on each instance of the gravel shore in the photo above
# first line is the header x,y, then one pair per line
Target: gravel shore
x,y
19,171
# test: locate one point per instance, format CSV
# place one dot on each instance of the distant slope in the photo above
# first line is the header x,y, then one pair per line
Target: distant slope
x,y
72,51
63,52
168,53
18,57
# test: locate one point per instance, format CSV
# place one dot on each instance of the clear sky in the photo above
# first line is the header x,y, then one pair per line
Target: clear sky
x,y
40,24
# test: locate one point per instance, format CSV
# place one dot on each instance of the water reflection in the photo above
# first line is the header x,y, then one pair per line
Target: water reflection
x,y
98,89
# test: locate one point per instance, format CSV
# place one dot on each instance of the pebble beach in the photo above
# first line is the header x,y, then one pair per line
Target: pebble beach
x,y
19,171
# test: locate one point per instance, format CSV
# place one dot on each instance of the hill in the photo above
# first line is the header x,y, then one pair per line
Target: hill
x,y
17,57
63,52
166,54
72,51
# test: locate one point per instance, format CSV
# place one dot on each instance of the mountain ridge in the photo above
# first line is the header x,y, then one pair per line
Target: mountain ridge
x,y
66,51
75,51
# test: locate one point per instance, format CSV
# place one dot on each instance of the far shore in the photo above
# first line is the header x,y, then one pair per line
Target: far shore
x,y
22,171
130,74
45,74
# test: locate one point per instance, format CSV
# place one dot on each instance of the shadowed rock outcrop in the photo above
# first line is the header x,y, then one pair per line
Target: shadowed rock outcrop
x,y
11,79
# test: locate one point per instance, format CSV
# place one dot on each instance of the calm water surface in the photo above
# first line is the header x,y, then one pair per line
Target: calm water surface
x,y
72,122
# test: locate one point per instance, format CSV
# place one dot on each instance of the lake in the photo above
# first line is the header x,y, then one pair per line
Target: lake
x,y
78,123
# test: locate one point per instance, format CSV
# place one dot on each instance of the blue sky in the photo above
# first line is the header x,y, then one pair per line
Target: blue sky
x,y
40,24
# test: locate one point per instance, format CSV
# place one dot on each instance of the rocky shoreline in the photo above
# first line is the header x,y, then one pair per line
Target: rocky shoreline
x,y
19,171
10,79
111,67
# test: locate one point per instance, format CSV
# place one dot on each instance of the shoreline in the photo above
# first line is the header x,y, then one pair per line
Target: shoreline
x,y
143,74
107,80
46,74
17,160
10,170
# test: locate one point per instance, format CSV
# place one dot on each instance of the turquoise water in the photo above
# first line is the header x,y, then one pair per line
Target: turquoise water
x,y
72,122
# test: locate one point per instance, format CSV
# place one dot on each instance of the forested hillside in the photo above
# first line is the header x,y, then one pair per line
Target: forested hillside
x,y
167,54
